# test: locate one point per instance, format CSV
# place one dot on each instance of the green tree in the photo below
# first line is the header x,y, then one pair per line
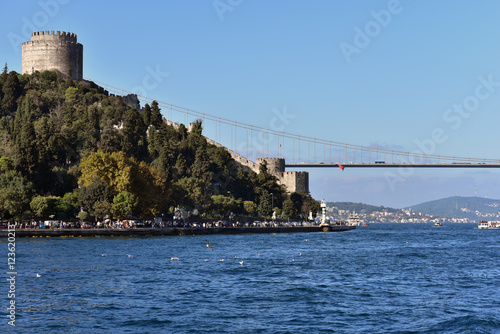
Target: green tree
x,y
153,190
201,166
289,209
71,94
180,167
250,207
265,206
297,200
102,208
221,204
124,204
66,206
110,140
48,207
71,199
6,164
156,117
190,192
15,193
40,206
83,215
26,152
95,191
146,115
133,134
11,91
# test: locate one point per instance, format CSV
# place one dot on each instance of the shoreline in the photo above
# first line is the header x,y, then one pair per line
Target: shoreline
x,y
165,231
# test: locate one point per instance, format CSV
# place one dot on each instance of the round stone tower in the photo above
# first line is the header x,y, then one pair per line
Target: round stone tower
x,y
275,166
54,51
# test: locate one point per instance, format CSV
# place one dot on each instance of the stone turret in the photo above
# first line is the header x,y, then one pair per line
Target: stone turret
x,y
275,166
294,181
54,51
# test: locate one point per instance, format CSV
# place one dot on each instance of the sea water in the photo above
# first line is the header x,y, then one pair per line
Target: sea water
x,y
384,278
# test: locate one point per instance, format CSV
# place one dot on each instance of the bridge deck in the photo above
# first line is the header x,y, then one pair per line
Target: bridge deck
x,y
391,165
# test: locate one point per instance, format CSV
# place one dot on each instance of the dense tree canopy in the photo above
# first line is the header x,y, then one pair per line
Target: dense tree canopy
x,y
67,145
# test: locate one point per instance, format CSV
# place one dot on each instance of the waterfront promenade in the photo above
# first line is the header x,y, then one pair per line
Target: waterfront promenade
x,y
172,231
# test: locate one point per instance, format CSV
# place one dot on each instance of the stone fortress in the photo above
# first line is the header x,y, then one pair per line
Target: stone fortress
x,y
61,52
293,181
54,51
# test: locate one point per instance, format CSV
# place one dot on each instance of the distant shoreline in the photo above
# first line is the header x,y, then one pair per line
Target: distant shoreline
x,y
171,231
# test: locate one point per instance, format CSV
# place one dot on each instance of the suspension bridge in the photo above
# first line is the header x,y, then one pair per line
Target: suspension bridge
x,y
299,151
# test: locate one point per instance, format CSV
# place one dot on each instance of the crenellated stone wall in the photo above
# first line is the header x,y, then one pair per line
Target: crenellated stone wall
x,y
293,181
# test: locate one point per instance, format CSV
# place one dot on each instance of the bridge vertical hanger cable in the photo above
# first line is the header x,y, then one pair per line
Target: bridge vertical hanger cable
x,y
314,156
309,152
267,143
283,145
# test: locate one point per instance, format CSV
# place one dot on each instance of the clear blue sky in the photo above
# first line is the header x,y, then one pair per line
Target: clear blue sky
x,y
388,86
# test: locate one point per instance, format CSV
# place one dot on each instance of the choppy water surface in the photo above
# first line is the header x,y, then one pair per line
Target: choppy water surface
x,y
385,278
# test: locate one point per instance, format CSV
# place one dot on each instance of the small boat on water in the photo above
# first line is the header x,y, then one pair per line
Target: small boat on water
x,y
365,224
484,224
438,224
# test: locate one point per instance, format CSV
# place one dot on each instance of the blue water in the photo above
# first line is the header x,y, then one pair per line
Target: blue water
x,y
385,278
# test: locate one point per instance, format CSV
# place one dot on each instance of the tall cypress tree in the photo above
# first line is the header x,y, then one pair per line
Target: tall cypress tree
x,y
11,89
156,117
146,115
26,152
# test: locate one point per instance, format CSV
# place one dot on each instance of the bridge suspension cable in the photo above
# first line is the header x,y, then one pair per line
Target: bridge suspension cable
x,y
377,151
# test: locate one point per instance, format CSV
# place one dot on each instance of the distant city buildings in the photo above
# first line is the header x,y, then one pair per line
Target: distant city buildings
x,y
401,216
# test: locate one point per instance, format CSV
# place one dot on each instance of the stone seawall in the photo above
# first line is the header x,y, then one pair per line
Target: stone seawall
x,y
40,233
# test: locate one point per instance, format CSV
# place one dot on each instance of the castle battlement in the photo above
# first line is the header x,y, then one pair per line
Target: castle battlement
x,y
53,36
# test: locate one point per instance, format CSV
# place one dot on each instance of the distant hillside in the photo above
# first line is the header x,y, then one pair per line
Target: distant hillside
x,y
460,207
359,207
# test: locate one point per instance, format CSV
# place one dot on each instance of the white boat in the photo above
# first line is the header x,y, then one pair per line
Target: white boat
x,y
353,220
438,224
484,224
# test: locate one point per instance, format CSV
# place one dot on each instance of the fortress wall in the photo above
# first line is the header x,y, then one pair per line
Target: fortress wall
x,y
242,161
295,181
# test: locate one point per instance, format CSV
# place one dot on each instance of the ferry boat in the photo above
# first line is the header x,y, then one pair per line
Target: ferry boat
x,y
484,224
353,220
